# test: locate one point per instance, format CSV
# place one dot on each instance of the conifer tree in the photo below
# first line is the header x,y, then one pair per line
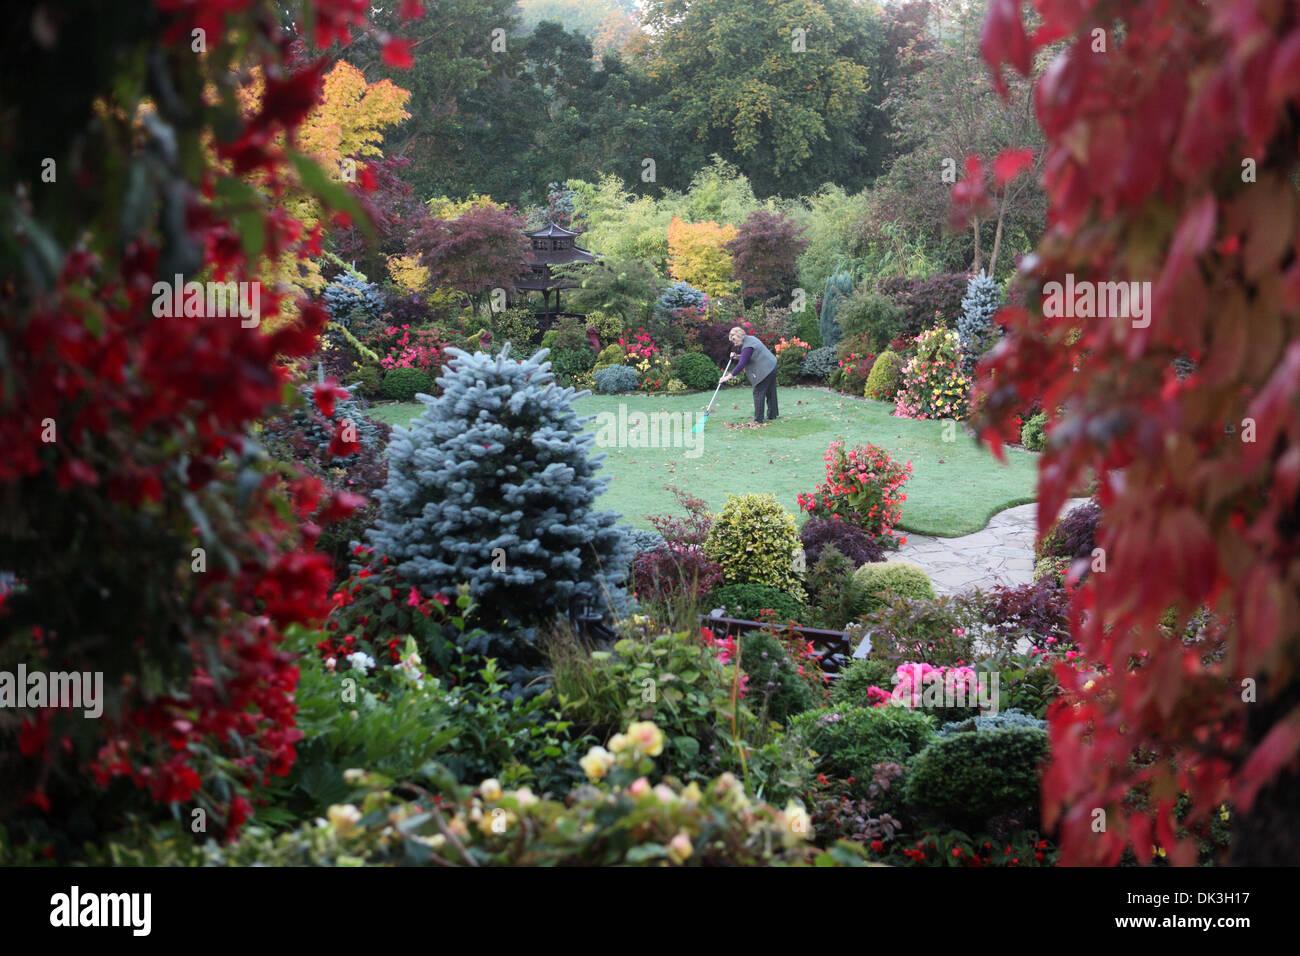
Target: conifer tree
x,y
493,486
975,327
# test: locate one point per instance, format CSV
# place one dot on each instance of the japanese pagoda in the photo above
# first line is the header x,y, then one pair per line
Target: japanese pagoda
x,y
552,245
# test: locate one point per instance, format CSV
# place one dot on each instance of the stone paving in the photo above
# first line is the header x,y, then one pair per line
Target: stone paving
x,y
1002,553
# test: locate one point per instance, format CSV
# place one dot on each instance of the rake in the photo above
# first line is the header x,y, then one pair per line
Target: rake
x,y
699,426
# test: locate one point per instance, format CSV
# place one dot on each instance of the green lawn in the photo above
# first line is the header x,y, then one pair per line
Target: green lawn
x,y
955,486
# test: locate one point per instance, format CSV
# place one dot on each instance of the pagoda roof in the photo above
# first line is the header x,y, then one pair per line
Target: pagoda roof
x,y
560,257
551,230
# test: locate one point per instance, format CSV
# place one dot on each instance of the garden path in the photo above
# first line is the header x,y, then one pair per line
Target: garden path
x,y
1001,553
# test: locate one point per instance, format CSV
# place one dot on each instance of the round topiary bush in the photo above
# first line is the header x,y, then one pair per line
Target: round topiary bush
x,y
819,364
494,486
883,580
403,384
697,371
882,383
754,539
617,379
775,685
1033,433
968,778
749,600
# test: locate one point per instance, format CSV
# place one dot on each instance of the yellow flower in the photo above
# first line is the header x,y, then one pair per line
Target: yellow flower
x,y
647,738
1223,811
619,742
597,763
797,820
691,793
524,797
680,848
490,789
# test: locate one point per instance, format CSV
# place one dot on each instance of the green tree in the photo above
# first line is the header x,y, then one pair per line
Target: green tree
x,y
783,89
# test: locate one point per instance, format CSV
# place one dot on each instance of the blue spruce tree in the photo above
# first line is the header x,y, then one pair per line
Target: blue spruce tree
x,y
975,329
493,486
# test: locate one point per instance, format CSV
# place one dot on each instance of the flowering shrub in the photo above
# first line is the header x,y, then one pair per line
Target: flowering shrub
x,y
789,360
423,349
854,359
749,600
687,683
954,848
638,347
936,689
148,538
932,384
862,487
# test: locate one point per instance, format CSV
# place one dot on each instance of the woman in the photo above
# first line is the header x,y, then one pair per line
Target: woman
x,y
760,365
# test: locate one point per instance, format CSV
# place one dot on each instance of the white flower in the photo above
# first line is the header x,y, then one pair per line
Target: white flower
x,y
361,661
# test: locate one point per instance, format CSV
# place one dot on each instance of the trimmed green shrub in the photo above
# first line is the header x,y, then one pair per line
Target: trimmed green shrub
x,y
1033,433
617,379
967,779
368,380
775,685
403,384
849,741
518,326
881,580
697,371
886,375
754,539
850,690
610,355
819,364
567,364
748,600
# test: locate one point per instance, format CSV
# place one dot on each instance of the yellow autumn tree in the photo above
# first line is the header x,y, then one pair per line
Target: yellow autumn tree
x,y
696,255
348,122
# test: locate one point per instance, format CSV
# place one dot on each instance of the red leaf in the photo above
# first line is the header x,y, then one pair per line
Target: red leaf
x,y
1010,163
397,53
1003,40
